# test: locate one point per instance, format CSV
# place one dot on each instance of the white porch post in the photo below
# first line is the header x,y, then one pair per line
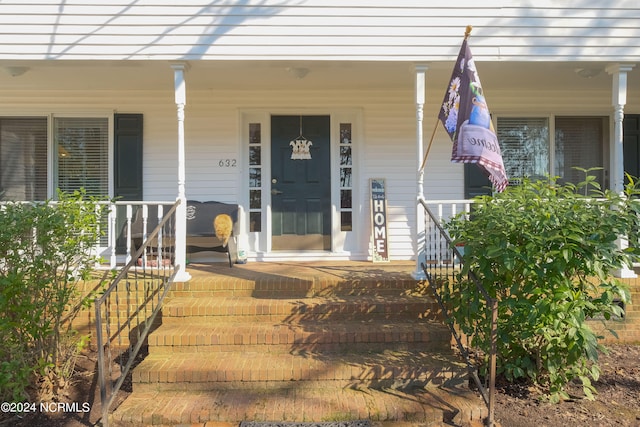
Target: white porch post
x,y
619,99
179,70
420,71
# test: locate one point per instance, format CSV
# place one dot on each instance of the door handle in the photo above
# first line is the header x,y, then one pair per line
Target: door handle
x,y
275,192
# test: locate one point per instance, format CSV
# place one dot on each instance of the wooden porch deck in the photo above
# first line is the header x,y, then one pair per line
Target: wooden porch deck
x,y
300,342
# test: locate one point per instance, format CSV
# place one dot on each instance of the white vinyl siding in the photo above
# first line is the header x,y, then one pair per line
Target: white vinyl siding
x,y
389,30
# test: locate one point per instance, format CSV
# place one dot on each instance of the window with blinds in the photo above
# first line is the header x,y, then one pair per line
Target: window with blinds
x,y
82,154
578,142
23,158
524,142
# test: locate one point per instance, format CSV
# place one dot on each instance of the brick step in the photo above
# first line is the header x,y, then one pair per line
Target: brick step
x,y
425,407
265,337
233,370
232,309
270,286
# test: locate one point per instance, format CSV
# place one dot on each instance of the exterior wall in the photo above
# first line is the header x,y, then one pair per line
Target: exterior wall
x,y
627,329
387,147
212,132
407,30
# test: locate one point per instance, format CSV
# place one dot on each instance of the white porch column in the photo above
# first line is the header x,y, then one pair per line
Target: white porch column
x,y
619,99
420,88
179,70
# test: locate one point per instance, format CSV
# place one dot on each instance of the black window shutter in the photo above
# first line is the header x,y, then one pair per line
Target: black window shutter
x,y
476,183
128,156
631,145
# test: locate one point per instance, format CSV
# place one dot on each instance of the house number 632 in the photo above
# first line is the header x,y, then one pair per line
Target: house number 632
x,y
227,163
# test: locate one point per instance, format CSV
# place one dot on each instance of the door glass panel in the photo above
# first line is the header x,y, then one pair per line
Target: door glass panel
x,y
346,162
255,177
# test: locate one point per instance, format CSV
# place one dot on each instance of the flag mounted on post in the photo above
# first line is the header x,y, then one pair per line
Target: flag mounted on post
x,y
465,116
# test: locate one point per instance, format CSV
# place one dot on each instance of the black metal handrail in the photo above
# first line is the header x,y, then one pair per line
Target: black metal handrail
x,y
126,311
442,263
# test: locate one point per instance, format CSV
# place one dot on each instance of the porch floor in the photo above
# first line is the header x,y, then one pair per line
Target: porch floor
x,y
312,341
333,270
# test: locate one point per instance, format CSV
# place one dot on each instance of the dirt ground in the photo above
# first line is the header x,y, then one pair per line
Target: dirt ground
x,y
617,402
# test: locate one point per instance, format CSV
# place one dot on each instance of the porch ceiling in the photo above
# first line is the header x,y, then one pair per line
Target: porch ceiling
x,y
203,75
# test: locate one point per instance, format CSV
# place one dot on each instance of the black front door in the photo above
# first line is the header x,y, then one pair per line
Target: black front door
x,y
300,183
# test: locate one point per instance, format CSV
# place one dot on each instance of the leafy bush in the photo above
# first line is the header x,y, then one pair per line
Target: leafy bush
x,y
45,250
546,252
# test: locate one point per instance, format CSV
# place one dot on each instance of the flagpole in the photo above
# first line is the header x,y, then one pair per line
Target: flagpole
x,y
426,154
467,33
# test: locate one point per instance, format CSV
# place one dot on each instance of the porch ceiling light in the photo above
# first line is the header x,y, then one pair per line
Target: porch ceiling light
x,y
298,72
15,71
588,73
62,152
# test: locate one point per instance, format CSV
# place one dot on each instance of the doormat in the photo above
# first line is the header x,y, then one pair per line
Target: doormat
x,y
358,423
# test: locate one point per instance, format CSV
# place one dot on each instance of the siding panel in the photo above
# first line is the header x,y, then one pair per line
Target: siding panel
x,y
409,30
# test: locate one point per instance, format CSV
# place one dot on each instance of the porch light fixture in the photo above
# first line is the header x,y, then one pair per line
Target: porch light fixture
x,y
588,73
15,71
298,72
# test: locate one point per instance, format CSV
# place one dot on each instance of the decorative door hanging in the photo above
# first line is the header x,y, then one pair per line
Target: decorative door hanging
x,y
301,146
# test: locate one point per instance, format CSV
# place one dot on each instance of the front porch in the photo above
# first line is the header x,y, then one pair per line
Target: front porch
x,y
290,341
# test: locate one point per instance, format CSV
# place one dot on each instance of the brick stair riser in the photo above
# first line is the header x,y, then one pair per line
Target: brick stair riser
x,y
301,313
218,319
287,338
277,294
301,349
208,379
369,368
431,379
271,289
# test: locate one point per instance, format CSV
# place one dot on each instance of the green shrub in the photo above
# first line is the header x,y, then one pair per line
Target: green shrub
x,y
546,252
45,250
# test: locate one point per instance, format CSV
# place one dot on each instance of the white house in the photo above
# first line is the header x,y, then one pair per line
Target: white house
x,y
151,100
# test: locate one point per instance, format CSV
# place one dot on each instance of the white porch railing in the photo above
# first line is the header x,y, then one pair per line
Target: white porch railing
x,y
442,210
118,244
446,209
